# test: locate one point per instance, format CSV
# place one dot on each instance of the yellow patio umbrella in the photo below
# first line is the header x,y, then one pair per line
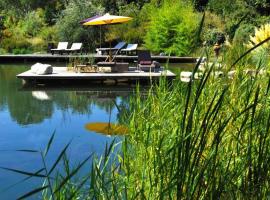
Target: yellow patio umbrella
x,y
106,19
107,128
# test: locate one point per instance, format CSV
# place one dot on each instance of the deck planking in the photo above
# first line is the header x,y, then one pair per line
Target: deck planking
x,y
61,73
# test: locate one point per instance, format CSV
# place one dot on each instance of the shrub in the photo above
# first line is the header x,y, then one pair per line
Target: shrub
x,y
32,23
68,26
213,27
172,29
15,43
27,34
133,31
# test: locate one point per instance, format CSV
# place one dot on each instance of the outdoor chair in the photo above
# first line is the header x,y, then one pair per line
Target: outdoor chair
x,y
75,48
130,49
114,50
145,62
62,46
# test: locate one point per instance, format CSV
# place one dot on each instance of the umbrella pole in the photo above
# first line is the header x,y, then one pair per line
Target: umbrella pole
x,y
110,53
109,127
99,36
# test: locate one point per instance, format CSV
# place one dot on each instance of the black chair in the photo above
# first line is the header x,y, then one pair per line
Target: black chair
x,y
145,61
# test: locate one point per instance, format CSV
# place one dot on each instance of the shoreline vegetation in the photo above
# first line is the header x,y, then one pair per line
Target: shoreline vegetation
x,y
205,139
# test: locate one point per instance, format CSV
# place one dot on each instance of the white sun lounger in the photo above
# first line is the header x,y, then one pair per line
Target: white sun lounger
x,y
75,47
130,48
61,47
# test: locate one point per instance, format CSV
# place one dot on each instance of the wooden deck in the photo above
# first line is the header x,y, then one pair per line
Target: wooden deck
x,y
60,75
66,58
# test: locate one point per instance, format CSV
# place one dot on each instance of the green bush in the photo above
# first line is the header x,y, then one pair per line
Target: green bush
x,y
68,26
32,23
237,46
133,31
172,29
16,44
28,34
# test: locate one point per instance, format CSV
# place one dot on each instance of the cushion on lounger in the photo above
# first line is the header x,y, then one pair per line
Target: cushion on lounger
x,y
145,62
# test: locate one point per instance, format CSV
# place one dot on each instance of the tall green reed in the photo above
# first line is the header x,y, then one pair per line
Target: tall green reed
x,y
205,139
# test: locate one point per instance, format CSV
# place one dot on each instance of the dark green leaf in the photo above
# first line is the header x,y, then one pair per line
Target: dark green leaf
x,y
21,181
24,172
49,144
28,150
59,158
37,190
66,179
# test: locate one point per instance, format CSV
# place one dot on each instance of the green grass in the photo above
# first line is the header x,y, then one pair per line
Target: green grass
x,y
206,139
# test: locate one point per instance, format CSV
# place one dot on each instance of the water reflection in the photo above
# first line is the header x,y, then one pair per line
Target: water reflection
x,y
41,95
28,117
107,128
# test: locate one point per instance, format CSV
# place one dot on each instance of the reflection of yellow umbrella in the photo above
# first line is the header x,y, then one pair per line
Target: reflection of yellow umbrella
x,y
107,128
106,20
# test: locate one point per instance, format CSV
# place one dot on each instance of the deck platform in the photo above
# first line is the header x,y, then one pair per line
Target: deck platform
x,y
61,74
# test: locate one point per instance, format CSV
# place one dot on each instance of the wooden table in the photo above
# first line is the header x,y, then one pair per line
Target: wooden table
x,y
115,66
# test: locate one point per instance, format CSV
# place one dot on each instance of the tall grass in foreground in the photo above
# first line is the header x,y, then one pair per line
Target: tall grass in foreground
x,y
208,139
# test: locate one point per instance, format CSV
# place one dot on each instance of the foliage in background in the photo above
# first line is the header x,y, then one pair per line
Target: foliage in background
x,y
262,6
133,31
68,26
26,35
172,29
234,50
213,27
19,8
260,35
29,27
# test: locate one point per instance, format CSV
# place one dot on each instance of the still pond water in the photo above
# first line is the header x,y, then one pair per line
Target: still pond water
x,y
29,116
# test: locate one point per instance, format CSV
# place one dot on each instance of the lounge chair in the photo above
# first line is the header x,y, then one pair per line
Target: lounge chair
x,y
114,50
75,47
61,47
145,62
130,49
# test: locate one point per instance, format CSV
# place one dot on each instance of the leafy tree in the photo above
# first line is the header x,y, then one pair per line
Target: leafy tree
x,y
133,31
262,6
18,8
69,28
172,29
200,4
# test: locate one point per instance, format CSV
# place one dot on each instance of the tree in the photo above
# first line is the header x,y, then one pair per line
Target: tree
x,y
19,8
172,28
262,6
200,4
69,28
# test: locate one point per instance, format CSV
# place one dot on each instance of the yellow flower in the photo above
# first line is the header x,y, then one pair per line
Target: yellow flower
x,y
261,34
